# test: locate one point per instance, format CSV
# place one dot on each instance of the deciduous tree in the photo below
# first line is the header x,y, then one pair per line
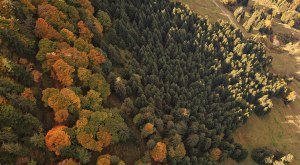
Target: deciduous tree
x,y
159,152
63,72
44,30
56,139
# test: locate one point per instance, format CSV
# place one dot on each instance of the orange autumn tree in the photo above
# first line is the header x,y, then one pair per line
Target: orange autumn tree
x,y
74,57
84,32
62,71
159,152
54,17
56,139
61,115
44,30
148,129
87,5
68,162
96,57
28,94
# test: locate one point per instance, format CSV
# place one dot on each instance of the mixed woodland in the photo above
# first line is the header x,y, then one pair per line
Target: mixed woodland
x,y
79,78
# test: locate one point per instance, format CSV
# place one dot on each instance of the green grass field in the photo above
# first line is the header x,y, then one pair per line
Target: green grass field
x,y
205,8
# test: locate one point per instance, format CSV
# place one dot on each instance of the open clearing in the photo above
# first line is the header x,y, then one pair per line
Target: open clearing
x,y
281,127
205,8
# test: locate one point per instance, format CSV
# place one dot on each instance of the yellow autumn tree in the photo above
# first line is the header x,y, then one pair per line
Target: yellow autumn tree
x,y
60,99
180,151
105,137
81,122
71,96
87,141
104,160
67,35
84,74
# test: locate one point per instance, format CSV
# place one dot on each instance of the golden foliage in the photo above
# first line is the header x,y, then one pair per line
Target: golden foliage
x,y
105,137
63,72
84,74
88,142
291,96
62,99
75,57
159,152
180,151
56,139
103,160
6,8
85,113
71,95
80,123
268,23
58,102
68,35
98,27
47,93
5,65
61,115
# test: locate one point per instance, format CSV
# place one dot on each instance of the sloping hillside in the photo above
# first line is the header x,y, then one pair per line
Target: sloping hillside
x,y
281,127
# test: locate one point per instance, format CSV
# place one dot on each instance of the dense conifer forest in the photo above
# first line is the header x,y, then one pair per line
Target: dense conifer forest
x,y
182,84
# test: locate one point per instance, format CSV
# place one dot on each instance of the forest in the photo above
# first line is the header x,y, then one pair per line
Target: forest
x,y
183,85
